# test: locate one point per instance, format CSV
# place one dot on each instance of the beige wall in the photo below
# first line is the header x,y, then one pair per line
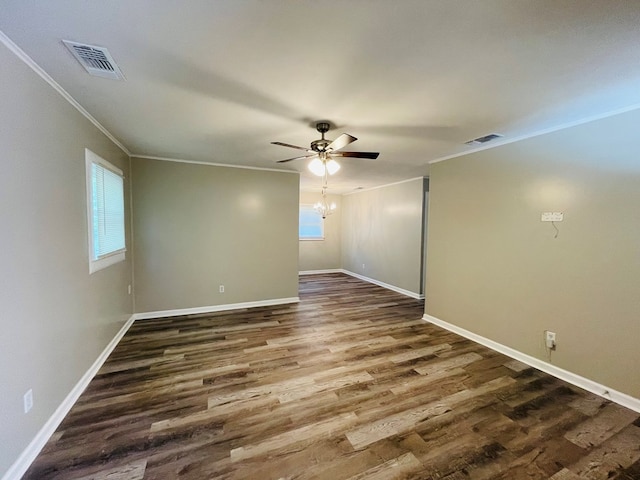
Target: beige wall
x,y
55,318
198,226
382,230
495,269
322,254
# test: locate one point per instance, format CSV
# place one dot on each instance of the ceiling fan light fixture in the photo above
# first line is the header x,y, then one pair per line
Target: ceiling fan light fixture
x,y
321,167
317,167
332,166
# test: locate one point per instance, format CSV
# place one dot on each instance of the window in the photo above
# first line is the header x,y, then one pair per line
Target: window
x,y
311,226
105,212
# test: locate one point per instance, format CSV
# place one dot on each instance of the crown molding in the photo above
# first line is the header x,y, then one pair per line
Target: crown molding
x,y
21,54
210,164
385,185
538,133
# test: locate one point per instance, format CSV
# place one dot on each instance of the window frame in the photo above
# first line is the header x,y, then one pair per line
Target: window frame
x,y
312,209
115,256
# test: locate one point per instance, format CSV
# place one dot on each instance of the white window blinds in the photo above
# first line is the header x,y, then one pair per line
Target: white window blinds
x,y
105,195
108,211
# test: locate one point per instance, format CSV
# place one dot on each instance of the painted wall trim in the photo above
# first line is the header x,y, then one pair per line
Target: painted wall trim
x,y
318,272
385,185
214,308
26,458
211,164
537,133
609,393
408,293
21,54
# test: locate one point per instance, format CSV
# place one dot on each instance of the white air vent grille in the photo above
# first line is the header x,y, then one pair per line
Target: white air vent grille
x,y
485,139
97,61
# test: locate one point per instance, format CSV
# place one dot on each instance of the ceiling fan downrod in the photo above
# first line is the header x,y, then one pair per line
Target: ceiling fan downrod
x,y
322,144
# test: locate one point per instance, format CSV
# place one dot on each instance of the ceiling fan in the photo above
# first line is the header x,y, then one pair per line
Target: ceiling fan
x,y
323,149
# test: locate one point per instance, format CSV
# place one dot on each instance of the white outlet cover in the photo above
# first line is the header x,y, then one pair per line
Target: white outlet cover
x,y
552,216
550,339
28,401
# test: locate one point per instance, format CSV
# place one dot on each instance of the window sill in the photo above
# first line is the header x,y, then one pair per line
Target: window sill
x,y
107,261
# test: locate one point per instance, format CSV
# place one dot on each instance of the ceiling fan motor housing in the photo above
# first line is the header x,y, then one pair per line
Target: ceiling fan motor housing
x,y
321,144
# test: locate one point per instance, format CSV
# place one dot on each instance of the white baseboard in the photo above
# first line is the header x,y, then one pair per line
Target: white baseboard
x,y
408,293
609,393
318,272
26,458
214,308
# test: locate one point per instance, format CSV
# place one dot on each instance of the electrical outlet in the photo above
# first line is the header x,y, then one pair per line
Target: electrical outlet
x,y
28,400
221,289
363,266
129,289
550,339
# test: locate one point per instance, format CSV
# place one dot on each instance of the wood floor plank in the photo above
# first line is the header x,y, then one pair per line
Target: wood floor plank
x,y
564,474
460,361
605,424
394,469
131,471
419,383
350,383
302,434
419,353
615,454
406,420
292,395
589,405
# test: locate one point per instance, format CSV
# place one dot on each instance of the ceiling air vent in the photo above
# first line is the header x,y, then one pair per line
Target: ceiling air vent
x,y
485,139
97,61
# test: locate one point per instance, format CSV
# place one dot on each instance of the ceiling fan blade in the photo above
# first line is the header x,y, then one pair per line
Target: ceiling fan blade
x,y
291,146
341,142
296,158
369,155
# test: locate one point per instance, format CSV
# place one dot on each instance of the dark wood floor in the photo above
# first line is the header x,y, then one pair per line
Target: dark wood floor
x,y
348,384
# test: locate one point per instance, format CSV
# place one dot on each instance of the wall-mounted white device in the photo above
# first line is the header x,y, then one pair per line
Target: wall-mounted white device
x,y
552,216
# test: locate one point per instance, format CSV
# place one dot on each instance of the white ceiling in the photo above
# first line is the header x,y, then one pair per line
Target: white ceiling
x,y
216,81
